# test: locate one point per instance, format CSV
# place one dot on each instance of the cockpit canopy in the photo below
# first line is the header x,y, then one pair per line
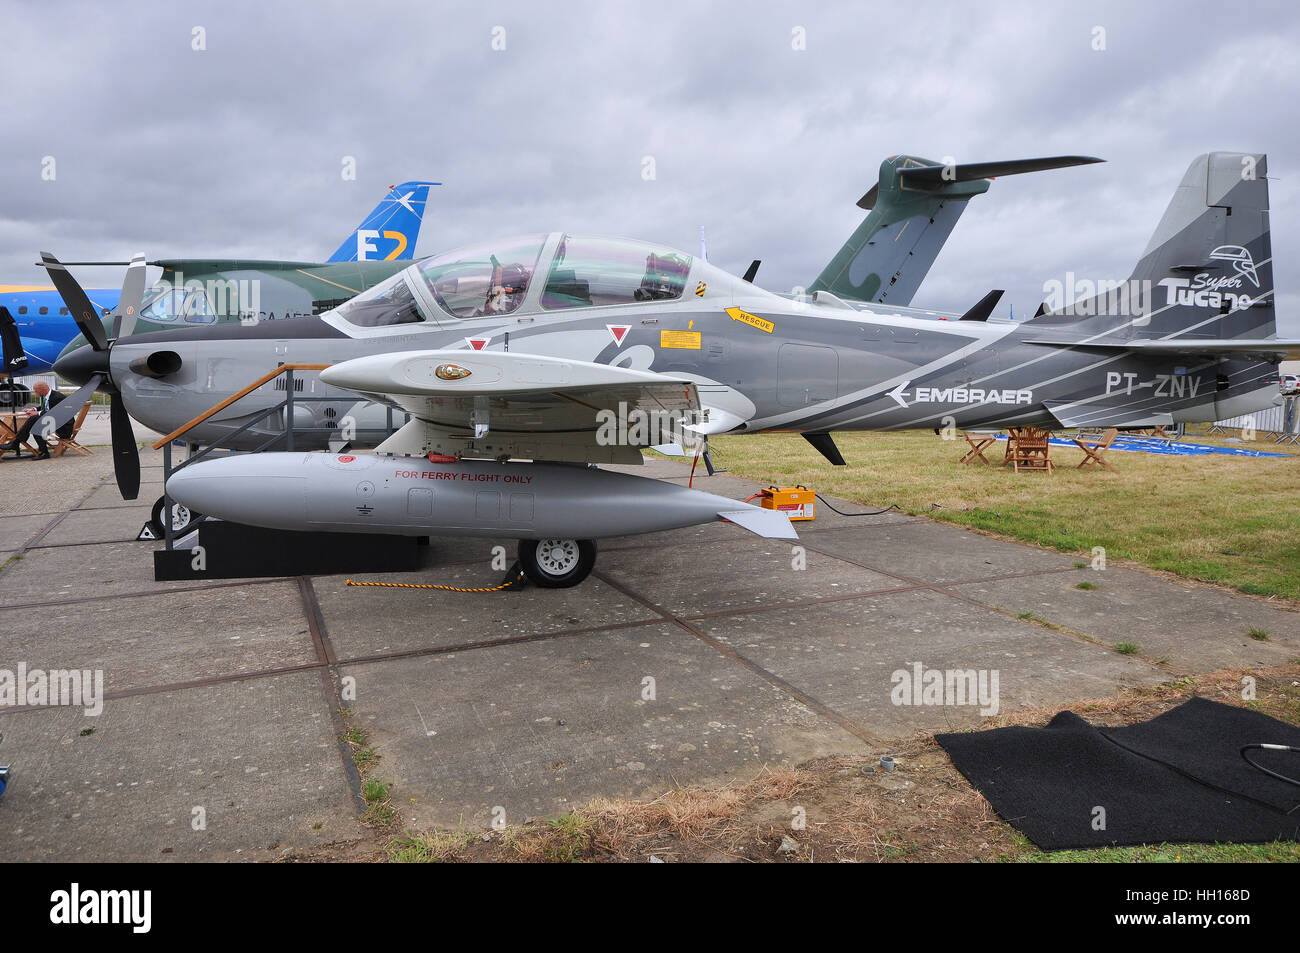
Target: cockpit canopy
x,y
496,279
389,302
484,279
588,272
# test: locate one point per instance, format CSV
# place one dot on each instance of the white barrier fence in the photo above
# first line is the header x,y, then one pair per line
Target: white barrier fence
x,y
1282,422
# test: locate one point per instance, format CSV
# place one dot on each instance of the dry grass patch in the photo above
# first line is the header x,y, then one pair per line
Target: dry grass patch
x,y
830,810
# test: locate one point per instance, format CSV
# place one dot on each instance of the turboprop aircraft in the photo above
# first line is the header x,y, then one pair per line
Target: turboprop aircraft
x,y
911,210
199,291
543,347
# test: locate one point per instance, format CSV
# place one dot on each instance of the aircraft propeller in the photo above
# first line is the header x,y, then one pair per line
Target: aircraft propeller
x,y
126,454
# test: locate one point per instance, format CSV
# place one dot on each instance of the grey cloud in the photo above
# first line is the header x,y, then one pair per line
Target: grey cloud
x,y
237,149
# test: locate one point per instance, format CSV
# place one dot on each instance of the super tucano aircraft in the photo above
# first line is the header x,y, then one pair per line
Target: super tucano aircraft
x,y
522,349
911,211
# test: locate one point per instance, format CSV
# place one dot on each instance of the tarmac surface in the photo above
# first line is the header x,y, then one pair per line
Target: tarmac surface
x,y
699,655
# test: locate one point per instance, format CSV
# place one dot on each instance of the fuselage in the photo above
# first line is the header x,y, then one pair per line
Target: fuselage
x,y
770,362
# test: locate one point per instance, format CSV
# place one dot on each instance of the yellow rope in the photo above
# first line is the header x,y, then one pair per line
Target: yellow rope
x,y
426,585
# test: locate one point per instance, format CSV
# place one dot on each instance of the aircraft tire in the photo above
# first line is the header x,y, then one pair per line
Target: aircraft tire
x,y
190,517
556,563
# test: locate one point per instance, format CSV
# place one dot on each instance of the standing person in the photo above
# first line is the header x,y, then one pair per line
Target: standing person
x,y
49,398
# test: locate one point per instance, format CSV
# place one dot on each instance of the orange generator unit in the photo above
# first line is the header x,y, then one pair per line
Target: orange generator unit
x,y
796,502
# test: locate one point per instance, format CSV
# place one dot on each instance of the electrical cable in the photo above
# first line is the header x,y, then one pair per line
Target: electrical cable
x,y
1271,773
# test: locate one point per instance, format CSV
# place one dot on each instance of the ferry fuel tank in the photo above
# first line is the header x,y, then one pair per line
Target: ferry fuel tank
x,y
549,503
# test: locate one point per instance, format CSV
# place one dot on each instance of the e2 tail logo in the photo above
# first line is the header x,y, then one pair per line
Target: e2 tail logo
x,y
390,231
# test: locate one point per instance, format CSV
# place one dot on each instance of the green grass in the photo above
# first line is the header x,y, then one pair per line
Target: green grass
x,y
570,836
1233,521
354,735
1086,585
433,848
1259,635
1126,648
1278,851
375,793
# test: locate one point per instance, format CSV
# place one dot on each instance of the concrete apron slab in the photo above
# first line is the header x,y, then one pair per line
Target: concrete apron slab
x,y
109,496
688,581
122,523
855,656
255,763
754,661
17,531
1196,628
144,642
72,573
536,729
421,619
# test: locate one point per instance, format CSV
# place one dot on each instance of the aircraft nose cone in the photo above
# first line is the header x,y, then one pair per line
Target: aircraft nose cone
x,y
80,365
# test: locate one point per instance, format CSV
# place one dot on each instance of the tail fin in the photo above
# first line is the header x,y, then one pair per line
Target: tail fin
x,y
390,231
15,359
1206,273
914,207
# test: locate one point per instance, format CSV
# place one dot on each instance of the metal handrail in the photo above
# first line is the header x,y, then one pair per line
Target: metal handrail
x,y
286,406
270,375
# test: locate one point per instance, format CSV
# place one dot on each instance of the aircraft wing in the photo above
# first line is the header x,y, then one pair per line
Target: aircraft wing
x,y
525,406
1267,349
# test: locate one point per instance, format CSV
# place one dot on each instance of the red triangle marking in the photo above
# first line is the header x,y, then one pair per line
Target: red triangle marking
x,y
618,332
478,343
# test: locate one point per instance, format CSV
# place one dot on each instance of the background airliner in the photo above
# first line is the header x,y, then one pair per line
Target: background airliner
x,y
388,233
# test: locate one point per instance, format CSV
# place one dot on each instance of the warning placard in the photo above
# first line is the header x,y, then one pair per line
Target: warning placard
x,y
688,340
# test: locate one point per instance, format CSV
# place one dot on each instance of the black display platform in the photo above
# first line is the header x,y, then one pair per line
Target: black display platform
x,y
235,551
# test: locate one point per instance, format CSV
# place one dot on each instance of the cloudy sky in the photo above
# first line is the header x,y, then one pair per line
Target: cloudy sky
x,y
238,149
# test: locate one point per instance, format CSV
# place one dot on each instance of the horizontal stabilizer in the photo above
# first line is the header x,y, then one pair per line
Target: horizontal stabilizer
x,y
1070,414
770,524
936,176
1265,349
913,208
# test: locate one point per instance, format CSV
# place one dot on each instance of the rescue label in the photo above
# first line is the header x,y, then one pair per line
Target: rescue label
x,y
753,320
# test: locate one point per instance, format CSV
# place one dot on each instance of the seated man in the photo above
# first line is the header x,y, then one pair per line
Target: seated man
x,y
49,398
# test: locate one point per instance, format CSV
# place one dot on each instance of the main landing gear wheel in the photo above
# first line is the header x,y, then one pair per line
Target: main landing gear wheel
x,y
556,563
183,519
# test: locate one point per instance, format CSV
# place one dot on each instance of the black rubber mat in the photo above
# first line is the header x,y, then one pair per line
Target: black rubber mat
x,y
1177,778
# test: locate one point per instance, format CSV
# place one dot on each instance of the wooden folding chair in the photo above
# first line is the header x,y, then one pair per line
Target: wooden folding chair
x,y
10,424
1031,450
1094,450
979,441
70,443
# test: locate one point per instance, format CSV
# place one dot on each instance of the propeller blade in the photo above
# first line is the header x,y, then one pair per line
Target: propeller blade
x,y
83,312
126,455
66,409
128,303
